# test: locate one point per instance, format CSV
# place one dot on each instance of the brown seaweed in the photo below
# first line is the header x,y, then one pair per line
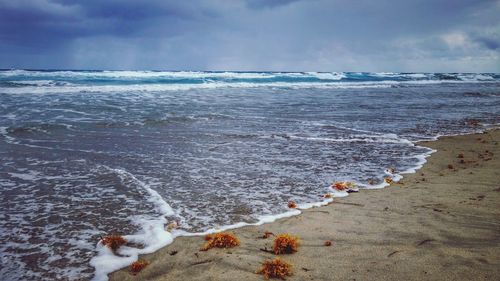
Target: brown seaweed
x,y
276,268
113,241
220,240
285,244
137,266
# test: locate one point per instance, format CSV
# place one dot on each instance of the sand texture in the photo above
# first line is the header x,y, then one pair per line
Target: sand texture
x,y
441,223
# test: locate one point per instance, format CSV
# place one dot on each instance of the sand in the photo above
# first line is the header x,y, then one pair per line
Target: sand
x,y
441,223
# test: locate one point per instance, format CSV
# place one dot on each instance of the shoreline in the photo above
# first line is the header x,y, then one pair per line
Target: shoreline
x,y
182,259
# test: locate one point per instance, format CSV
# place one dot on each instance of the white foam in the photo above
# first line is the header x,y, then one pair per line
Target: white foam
x,y
184,87
155,198
165,74
152,235
384,138
211,85
106,262
422,159
327,75
5,133
30,176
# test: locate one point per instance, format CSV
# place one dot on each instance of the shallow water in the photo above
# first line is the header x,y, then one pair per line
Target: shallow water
x,y
85,154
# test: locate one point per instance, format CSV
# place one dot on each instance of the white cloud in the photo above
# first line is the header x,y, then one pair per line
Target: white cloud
x,y
456,40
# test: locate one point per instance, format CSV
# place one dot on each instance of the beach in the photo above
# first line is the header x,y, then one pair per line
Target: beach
x,y
140,139
440,223
88,154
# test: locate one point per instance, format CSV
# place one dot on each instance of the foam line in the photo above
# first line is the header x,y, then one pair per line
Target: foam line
x,y
152,234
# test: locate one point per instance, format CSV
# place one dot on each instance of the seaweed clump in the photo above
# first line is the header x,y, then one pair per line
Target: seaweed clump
x,y
113,241
292,204
343,185
388,180
286,244
276,268
220,240
137,266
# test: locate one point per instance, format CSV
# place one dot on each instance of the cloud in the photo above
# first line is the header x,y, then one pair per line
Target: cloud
x,y
490,43
326,35
259,4
455,40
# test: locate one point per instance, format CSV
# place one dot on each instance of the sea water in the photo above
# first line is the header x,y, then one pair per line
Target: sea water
x,y
88,153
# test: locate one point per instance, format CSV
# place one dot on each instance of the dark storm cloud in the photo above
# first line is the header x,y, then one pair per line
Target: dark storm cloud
x,y
489,39
27,21
329,35
490,43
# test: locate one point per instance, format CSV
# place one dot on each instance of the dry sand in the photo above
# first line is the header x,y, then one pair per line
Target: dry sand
x,y
436,224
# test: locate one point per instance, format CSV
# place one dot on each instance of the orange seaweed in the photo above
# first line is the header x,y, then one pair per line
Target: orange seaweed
x,y
339,186
220,240
286,244
292,204
328,195
276,268
343,185
137,266
388,180
113,241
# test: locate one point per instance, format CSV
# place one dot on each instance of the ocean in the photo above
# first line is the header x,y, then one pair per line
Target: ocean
x,y
89,153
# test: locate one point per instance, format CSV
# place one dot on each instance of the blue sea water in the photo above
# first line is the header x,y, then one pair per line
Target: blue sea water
x,y
88,153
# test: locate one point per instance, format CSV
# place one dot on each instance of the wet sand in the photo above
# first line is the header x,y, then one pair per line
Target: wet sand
x,y
441,223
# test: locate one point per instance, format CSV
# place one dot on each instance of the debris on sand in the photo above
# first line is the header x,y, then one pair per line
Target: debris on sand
x,y
113,241
220,240
285,244
137,266
343,185
276,268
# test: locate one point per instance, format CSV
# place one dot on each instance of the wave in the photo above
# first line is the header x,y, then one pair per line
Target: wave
x,y
41,82
149,74
75,88
356,138
176,87
202,79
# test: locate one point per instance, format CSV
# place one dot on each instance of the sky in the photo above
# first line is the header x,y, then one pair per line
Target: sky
x,y
255,35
